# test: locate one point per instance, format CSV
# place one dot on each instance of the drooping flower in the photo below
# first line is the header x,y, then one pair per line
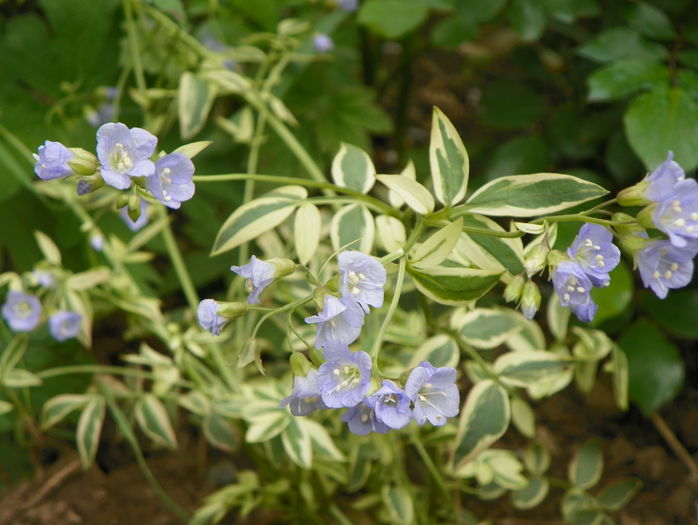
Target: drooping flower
x,y
391,405
664,179
207,315
594,251
124,153
362,420
338,324
677,214
142,220
171,183
530,300
433,392
362,277
664,266
345,379
323,43
52,161
64,324
574,289
260,274
305,398
21,311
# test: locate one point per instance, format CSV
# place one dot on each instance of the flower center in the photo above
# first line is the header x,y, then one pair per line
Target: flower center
x,y
347,376
22,309
165,179
121,161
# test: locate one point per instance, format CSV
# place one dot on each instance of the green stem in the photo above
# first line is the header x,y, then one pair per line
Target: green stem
x,y
576,217
366,199
391,310
290,306
130,437
426,458
180,268
133,45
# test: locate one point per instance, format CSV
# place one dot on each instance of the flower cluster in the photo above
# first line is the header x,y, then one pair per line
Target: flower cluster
x,y
666,264
22,312
124,161
344,379
588,262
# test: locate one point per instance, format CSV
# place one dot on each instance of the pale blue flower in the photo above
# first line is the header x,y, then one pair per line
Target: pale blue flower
x,y
52,161
663,179
21,311
664,266
171,183
594,251
260,274
349,5
305,398
338,324
362,277
124,153
345,379
43,278
574,289
434,393
391,405
677,214
64,324
207,315
97,242
142,220
323,43
362,420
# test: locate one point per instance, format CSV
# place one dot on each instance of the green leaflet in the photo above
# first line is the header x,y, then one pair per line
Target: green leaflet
x,y
437,247
586,467
485,327
399,504
412,192
484,419
528,368
532,195
306,231
352,228
257,216
439,350
153,419
448,159
89,429
352,168
531,495
194,99
58,407
616,496
507,252
391,233
453,286
297,443
219,432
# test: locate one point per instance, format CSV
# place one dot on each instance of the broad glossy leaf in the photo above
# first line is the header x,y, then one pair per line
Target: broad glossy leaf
x,y
453,286
257,216
625,77
352,228
352,168
450,165
392,18
532,195
484,419
619,43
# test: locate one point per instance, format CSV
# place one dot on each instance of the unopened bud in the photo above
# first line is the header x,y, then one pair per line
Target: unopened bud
x,y
530,300
232,310
121,200
83,163
89,184
625,224
513,290
555,257
633,243
634,195
300,366
134,207
534,261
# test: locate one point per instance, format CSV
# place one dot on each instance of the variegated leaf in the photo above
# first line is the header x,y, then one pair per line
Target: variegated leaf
x,y
587,466
89,430
306,231
219,432
154,420
532,494
529,368
391,233
48,248
440,350
297,443
352,228
436,248
448,159
194,99
412,192
393,197
488,251
453,286
352,168
58,407
192,149
484,327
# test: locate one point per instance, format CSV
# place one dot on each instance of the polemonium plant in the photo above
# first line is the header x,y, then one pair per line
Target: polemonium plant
x,y
305,397
338,324
573,287
677,214
171,182
593,250
64,324
391,405
22,311
259,274
209,318
664,266
362,277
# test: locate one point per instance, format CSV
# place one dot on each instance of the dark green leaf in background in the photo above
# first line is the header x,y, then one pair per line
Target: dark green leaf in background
x,y
676,313
622,78
618,43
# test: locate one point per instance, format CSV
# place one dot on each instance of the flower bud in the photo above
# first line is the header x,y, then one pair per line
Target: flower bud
x,y
83,163
633,243
89,184
555,257
121,200
644,218
232,310
513,290
300,366
530,300
534,261
634,195
134,207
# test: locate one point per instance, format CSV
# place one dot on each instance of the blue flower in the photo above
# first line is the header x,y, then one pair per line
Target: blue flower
x,y
349,5
574,289
21,311
207,315
260,274
362,420
663,179
362,277
142,220
124,153
323,43
391,405
664,266
433,392
64,324
594,251
345,379
43,278
97,242
677,215
338,324
52,161
171,183
305,398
